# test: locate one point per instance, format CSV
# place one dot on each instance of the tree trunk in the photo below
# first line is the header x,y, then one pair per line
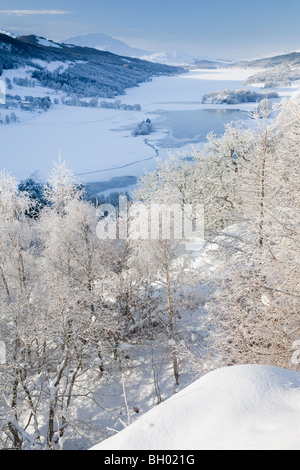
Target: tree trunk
x,y
170,314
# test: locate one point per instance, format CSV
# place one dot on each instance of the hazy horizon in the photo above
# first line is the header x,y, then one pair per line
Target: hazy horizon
x,y
229,30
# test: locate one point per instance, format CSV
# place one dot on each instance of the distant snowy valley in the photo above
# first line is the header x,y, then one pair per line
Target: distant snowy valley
x,y
98,142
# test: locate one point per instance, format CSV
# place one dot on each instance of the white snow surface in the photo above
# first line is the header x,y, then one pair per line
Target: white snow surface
x,y
44,42
250,407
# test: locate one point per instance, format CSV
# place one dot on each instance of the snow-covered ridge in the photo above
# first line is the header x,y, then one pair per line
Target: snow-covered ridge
x,y
7,33
247,407
46,43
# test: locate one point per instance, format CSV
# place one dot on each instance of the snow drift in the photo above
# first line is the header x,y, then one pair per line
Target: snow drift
x,y
248,407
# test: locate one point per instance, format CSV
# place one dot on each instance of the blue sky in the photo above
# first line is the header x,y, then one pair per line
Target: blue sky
x,y
217,28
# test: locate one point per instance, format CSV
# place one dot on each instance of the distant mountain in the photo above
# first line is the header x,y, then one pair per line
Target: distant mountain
x,y
170,58
103,42
179,58
87,72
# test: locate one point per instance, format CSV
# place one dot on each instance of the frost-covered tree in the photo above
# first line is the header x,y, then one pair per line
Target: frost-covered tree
x,y
159,247
35,191
143,128
202,177
18,274
79,289
236,97
63,311
257,301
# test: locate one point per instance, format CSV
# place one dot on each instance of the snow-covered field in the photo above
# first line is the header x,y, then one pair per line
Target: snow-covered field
x,y
98,143
247,407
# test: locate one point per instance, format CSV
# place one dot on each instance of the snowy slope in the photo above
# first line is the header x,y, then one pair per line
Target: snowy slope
x,y
243,407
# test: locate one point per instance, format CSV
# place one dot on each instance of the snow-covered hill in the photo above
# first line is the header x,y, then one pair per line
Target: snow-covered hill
x,y
103,75
236,408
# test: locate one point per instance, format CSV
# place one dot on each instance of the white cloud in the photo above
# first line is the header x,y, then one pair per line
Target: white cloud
x,y
33,12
